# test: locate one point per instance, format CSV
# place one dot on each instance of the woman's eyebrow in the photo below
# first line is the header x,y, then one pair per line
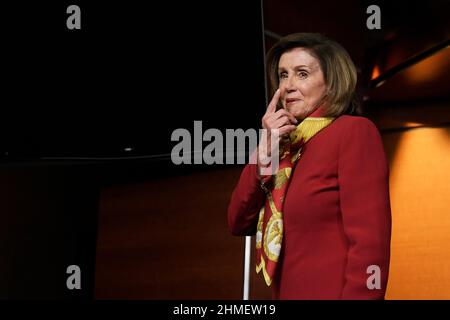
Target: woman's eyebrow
x,y
302,66
295,68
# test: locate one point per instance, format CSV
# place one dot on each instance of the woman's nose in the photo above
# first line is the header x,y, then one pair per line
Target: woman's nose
x,y
289,84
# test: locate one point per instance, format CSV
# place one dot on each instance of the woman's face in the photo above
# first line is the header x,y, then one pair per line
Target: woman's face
x,y
301,82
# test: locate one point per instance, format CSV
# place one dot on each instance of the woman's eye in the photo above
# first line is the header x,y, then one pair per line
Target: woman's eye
x,y
283,75
302,74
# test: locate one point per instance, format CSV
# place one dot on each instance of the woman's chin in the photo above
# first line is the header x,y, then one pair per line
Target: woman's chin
x,y
297,112
299,115
292,111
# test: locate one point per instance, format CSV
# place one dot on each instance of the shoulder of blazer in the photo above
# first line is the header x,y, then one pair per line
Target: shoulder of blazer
x,y
354,123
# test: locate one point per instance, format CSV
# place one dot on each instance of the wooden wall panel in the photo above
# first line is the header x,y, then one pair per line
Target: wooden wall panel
x,y
168,238
419,161
420,192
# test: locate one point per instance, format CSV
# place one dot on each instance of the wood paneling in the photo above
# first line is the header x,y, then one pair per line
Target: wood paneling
x,y
49,215
419,186
168,238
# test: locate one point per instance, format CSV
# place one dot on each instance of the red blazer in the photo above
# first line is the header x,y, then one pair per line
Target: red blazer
x,y
337,218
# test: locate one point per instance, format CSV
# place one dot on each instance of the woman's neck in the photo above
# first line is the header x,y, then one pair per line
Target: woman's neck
x,y
319,112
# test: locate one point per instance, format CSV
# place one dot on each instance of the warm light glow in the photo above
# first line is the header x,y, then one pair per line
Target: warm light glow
x,y
412,124
419,189
375,72
431,68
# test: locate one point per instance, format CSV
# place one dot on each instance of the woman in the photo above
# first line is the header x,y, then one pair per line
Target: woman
x,y
322,222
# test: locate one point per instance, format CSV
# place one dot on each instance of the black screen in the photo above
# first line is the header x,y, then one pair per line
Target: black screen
x,y
134,72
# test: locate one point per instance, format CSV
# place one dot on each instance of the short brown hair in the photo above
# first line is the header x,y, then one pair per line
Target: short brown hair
x,y
338,69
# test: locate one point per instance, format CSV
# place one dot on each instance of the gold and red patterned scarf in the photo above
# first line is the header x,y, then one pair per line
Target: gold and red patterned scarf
x,y
269,234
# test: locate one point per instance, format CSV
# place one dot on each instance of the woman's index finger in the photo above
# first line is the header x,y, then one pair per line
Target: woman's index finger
x,y
273,103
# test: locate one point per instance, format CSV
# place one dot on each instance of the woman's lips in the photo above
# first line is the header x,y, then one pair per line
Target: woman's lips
x,y
291,101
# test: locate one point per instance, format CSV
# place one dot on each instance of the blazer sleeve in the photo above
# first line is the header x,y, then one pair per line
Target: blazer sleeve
x,y
363,175
246,201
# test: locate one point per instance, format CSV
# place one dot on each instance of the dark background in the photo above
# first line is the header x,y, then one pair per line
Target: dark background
x,y
133,73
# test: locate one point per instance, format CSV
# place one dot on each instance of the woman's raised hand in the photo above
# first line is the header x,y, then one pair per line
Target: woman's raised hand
x,y
273,120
